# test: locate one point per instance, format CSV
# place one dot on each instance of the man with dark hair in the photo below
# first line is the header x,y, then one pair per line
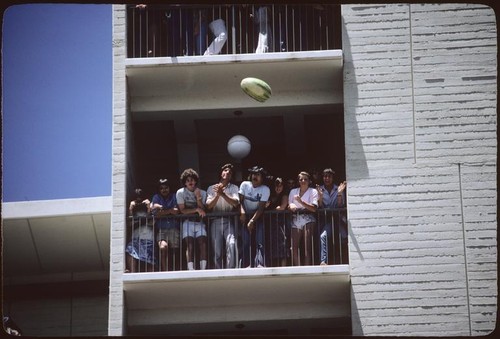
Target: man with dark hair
x,y
164,205
331,196
223,197
191,200
253,198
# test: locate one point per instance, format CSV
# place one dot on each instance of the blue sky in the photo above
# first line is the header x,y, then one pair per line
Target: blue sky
x,y
56,101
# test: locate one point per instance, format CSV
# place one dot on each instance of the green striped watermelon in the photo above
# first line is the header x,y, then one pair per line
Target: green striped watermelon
x,y
256,88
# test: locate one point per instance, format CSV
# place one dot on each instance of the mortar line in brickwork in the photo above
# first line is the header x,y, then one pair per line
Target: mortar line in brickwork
x,y
412,87
464,244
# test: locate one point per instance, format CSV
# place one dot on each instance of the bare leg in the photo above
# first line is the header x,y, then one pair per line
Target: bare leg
x,y
296,235
189,249
202,245
163,254
308,253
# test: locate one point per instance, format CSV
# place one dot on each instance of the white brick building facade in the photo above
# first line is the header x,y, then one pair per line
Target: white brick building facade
x,y
420,91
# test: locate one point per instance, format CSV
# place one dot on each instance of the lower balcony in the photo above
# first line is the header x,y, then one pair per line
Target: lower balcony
x,y
276,299
272,300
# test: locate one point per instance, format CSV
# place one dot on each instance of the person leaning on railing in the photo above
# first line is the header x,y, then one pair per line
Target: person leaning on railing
x,y
303,199
140,248
331,196
279,226
253,198
163,205
191,200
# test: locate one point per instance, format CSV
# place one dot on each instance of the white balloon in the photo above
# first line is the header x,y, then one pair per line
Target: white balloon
x,y
239,146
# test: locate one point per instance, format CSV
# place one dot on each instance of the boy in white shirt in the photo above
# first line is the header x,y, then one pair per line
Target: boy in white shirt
x,y
253,198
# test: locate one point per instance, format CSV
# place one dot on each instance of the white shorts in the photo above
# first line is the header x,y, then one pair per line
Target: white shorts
x,y
193,229
300,220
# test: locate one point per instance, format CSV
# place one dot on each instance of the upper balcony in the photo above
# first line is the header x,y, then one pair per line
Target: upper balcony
x,y
184,30
168,73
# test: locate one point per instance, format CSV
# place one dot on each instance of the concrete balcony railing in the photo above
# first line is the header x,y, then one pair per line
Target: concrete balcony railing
x,y
181,30
276,246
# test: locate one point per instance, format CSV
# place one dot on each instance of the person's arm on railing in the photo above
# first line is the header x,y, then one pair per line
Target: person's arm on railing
x,y
284,203
256,215
200,208
159,210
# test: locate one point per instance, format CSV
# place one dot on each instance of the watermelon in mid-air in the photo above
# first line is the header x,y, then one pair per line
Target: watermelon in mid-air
x,y
256,88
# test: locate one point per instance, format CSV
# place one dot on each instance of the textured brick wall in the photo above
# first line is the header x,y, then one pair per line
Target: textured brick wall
x,y
116,302
420,111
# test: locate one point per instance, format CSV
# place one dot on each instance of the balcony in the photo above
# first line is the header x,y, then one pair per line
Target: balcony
x,y
277,238
183,30
268,300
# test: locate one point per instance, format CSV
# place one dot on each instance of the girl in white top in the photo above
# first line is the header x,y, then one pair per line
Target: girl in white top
x,y
303,198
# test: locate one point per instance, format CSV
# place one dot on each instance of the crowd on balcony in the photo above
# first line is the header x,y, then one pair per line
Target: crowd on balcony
x,y
264,222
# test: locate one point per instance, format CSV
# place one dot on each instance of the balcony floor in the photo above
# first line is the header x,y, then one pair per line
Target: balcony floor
x,y
222,301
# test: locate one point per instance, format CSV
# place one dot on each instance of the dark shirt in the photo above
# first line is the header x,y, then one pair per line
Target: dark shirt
x,y
169,202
